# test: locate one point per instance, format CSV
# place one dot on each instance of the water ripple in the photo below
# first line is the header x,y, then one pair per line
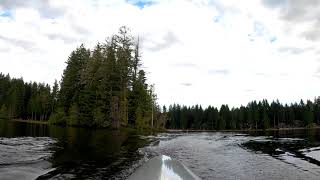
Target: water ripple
x,y
25,157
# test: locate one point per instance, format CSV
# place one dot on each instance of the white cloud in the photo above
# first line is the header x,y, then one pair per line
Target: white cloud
x,y
207,52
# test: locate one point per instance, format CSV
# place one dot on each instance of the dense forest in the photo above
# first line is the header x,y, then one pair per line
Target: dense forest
x,y
22,100
256,115
106,87
103,87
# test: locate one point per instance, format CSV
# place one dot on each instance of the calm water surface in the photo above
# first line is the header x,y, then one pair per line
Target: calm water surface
x,y
32,151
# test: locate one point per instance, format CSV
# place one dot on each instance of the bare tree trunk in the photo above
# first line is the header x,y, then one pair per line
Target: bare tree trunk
x,y
152,117
115,114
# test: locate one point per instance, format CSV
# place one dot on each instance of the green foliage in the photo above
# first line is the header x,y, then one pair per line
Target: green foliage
x,y
106,87
224,117
312,125
139,118
73,118
57,117
307,117
25,100
4,112
266,120
256,115
71,80
99,118
102,87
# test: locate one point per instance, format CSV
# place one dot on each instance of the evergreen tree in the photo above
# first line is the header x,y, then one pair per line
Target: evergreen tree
x,y
3,112
71,79
54,95
266,120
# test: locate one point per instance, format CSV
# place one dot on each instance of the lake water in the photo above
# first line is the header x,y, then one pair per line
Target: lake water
x,y
33,151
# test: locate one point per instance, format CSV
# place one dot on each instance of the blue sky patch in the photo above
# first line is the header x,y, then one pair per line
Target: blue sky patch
x,y
258,29
5,13
273,39
142,4
217,19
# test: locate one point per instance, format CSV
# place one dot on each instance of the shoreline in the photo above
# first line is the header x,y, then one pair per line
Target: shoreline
x,y
192,130
30,121
241,130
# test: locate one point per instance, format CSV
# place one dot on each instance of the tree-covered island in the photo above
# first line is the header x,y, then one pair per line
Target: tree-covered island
x,y
103,87
106,87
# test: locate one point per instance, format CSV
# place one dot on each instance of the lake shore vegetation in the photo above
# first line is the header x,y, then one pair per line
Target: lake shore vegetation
x,y
106,87
103,87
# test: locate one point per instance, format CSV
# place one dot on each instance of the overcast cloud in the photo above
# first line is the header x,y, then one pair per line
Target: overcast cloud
x,y
195,51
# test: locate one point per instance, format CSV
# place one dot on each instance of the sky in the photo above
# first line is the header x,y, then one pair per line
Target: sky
x,y
207,52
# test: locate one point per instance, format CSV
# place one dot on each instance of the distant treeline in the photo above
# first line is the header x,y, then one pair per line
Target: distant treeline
x,y
256,115
106,87
19,99
103,87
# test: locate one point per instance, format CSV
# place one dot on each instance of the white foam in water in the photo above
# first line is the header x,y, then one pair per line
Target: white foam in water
x,y
25,157
219,156
313,153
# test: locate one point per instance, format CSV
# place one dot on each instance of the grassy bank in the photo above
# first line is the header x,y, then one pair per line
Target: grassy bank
x,y
30,121
241,130
148,131
128,128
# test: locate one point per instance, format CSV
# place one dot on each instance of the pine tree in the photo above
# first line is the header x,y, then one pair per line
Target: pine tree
x,y
3,112
54,95
224,116
73,118
88,96
102,88
266,120
71,79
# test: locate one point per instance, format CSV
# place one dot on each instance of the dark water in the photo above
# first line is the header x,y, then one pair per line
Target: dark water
x,y
29,151
271,155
